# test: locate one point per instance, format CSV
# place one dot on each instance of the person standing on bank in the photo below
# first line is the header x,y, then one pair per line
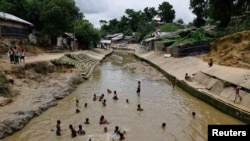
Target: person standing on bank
x,y
11,55
210,63
237,93
138,91
16,56
22,56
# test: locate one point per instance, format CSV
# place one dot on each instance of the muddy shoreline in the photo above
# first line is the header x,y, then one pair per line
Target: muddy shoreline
x,y
34,94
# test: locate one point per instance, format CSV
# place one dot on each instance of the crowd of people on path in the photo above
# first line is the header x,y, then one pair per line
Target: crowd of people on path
x,y
16,56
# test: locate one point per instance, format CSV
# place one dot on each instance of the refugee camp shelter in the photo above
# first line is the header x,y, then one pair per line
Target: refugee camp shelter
x,y
14,27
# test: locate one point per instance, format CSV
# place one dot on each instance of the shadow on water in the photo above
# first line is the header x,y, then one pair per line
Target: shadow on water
x,y
159,101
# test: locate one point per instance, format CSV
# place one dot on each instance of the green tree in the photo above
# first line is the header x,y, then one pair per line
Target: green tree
x,y
133,18
86,33
5,6
199,8
57,17
240,7
18,8
144,29
180,21
132,22
221,11
166,12
150,13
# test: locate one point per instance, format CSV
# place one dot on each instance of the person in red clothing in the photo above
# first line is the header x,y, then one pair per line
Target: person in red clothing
x,y
237,93
103,120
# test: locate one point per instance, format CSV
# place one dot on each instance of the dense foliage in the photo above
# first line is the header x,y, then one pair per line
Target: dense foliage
x,y
3,85
169,27
51,17
219,11
139,22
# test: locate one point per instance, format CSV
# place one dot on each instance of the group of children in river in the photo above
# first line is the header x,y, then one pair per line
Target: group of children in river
x,y
102,120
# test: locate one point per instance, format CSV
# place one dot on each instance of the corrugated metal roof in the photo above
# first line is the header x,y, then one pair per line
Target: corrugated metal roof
x,y
119,36
7,16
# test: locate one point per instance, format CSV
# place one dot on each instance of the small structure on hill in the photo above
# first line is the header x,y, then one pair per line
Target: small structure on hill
x,y
67,40
14,27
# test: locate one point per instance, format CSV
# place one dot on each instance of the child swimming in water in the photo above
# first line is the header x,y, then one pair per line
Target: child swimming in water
x,y
58,128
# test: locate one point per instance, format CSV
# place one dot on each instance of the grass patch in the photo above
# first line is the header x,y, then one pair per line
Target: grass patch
x,y
4,91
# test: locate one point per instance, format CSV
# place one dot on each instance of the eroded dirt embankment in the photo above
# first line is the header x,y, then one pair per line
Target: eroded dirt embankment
x,y
33,88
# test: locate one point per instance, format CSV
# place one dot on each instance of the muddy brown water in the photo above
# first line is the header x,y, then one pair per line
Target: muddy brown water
x,y
160,103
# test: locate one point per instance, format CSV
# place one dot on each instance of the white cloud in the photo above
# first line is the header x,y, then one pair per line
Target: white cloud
x,y
92,6
96,10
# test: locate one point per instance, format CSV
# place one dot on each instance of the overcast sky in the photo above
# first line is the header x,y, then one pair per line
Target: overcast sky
x,y
96,10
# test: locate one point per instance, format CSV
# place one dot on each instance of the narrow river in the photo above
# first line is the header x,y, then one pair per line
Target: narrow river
x,y
160,102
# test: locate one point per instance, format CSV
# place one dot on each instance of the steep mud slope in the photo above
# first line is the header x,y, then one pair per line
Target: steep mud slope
x,y
231,50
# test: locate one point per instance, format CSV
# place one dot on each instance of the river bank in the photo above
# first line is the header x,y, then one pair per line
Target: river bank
x,y
214,85
38,84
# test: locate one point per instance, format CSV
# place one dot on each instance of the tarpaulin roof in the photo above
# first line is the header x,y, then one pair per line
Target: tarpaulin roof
x,y
105,41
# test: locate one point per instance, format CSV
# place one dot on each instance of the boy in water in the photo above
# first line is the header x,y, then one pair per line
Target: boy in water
x,y
138,91
77,111
101,97
127,101
86,121
86,105
163,125
139,108
94,98
104,102
115,97
81,131
58,128
73,131
174,82
193,114
103,120
77,103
